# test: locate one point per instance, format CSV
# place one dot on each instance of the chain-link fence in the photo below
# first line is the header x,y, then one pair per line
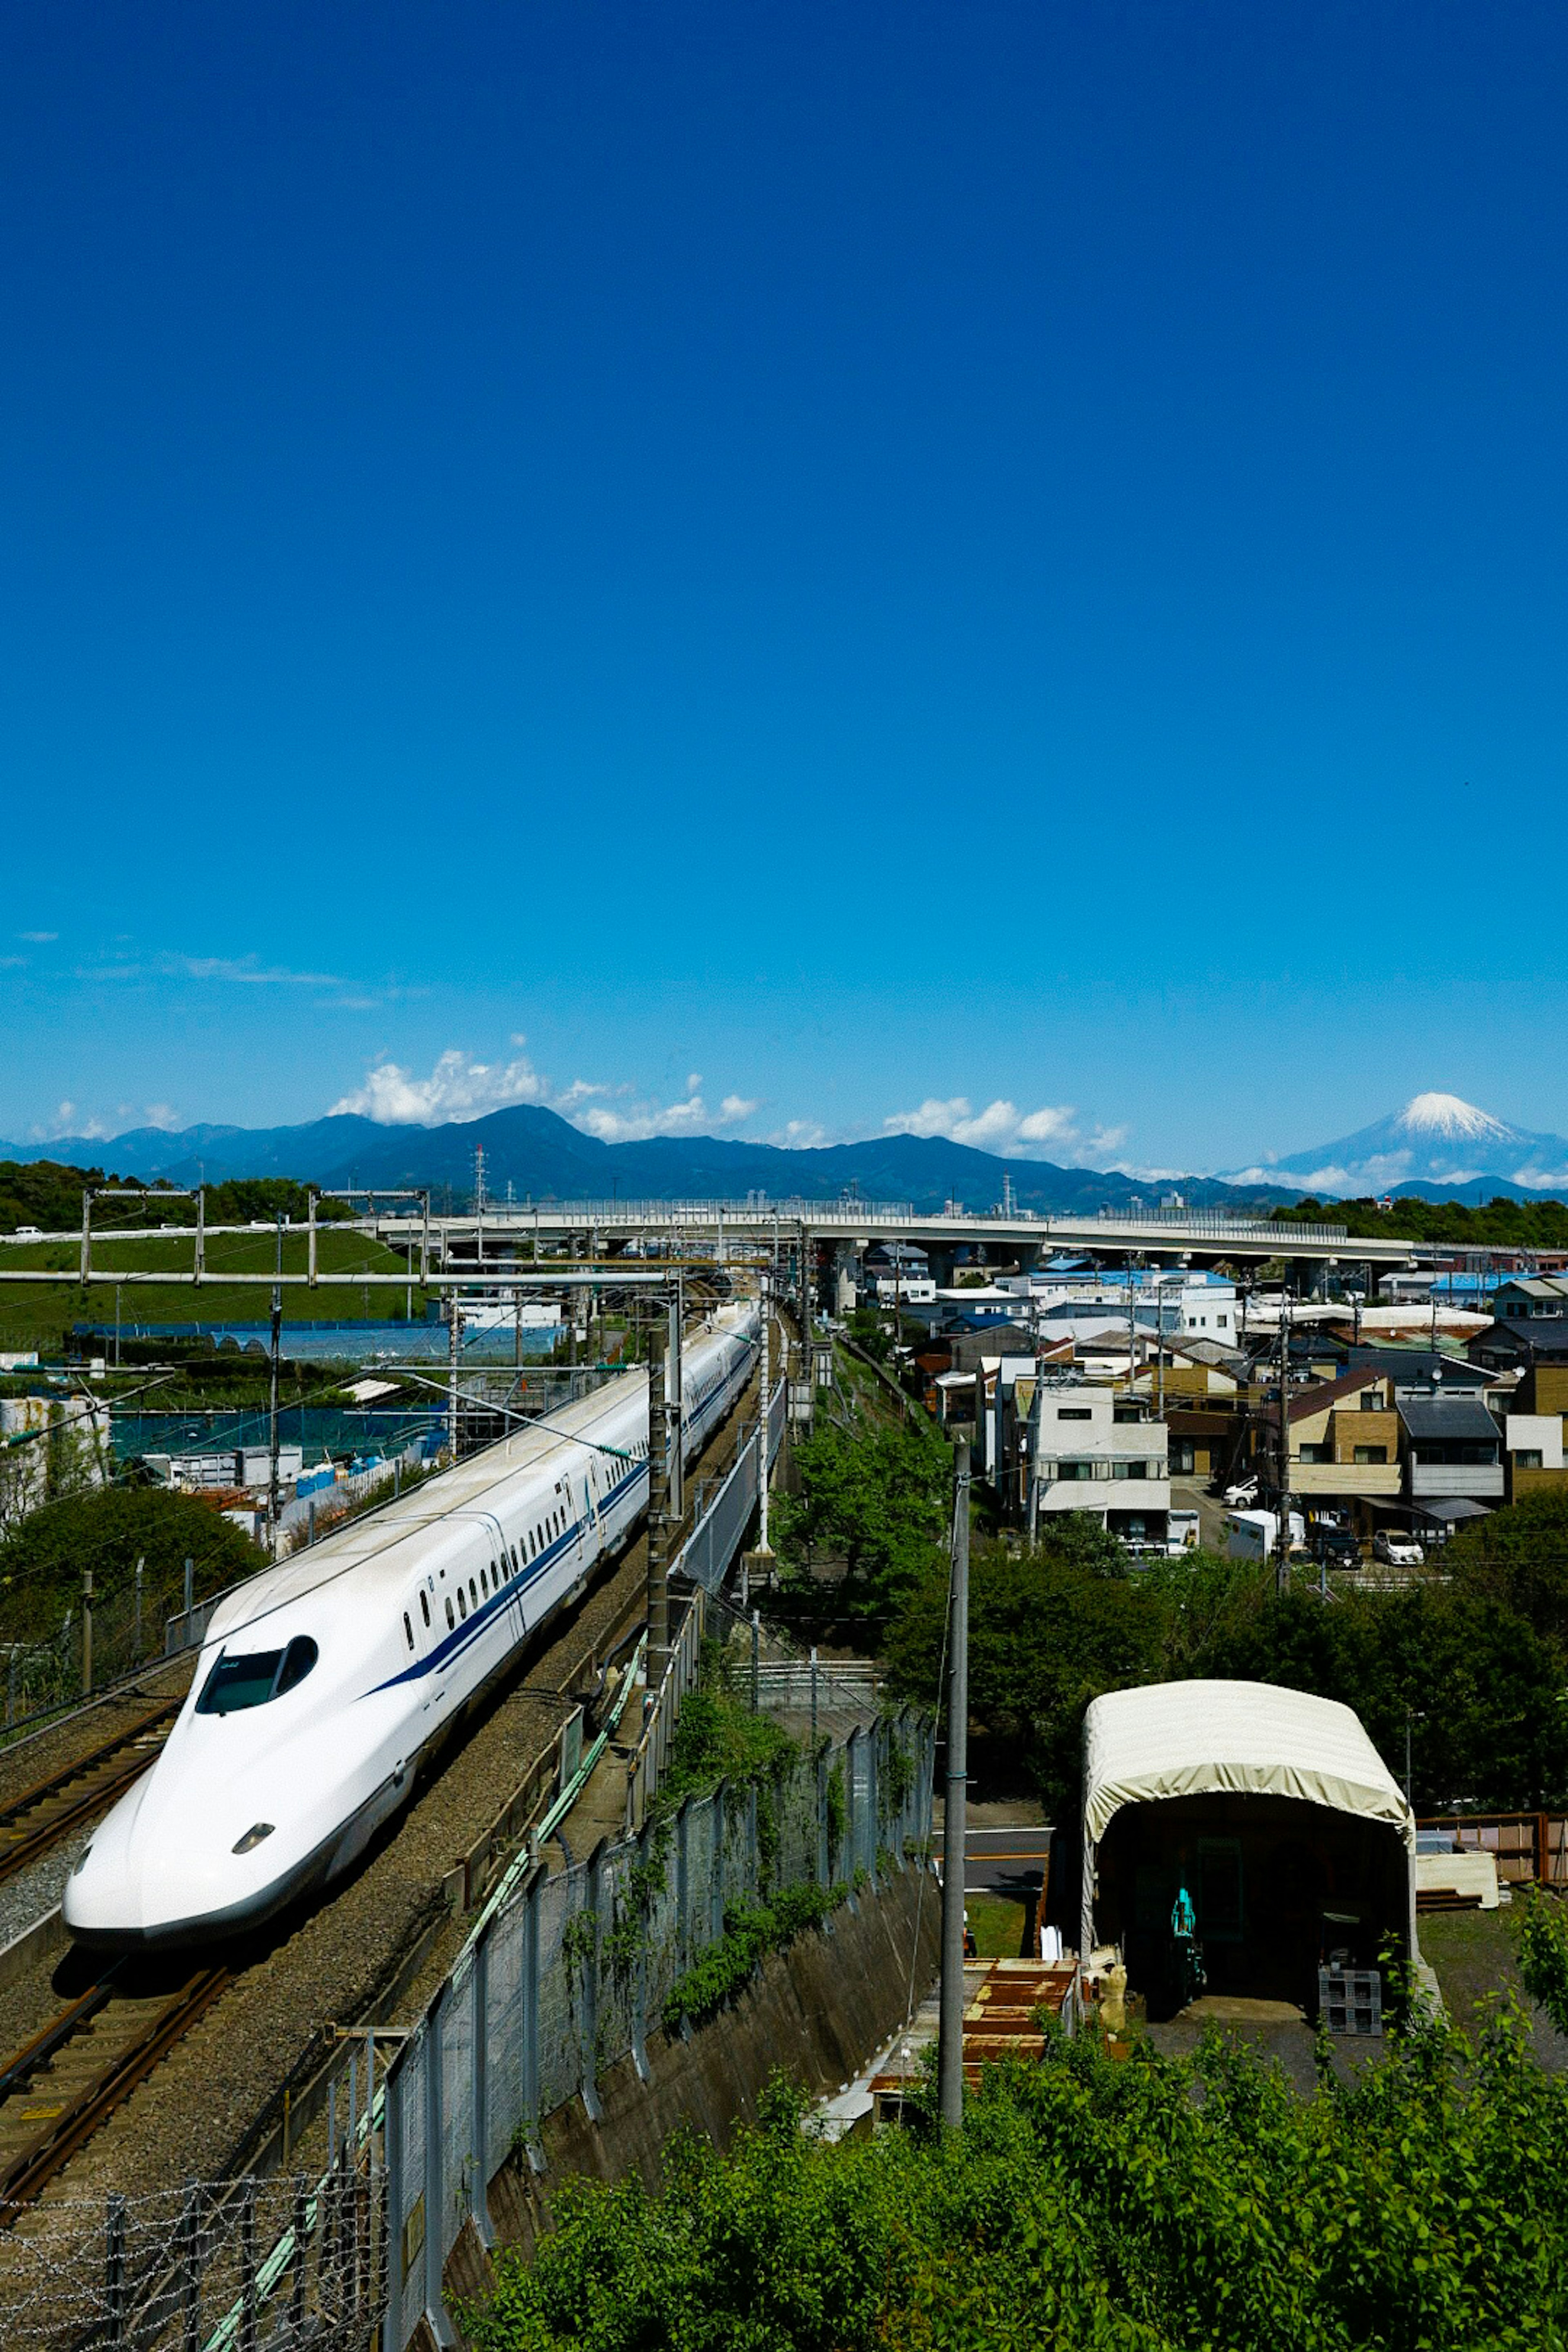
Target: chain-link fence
x,y
573,1971
233,2266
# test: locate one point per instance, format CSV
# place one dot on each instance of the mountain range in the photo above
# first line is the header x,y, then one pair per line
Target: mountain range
x,y
1438,1147
541,1156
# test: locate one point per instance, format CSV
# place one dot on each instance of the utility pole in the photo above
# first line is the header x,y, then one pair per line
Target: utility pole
x,y
658,1512
1037,1421
273,1512
201,1264
1282,1539
87,1636
949,2056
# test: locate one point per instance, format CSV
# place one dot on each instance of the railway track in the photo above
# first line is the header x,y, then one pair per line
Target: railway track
x,y
39,1817
86,2061
72,2077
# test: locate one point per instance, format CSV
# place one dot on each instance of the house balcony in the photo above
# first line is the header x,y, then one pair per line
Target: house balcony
x,y
1382,1479
1481,1481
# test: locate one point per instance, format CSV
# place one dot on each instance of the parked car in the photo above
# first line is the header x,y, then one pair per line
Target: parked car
x,y
1336,1548
1244,1493
1396,1549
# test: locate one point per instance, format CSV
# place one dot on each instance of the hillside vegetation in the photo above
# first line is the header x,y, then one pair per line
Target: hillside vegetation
x,y
1499,1224
1153,2206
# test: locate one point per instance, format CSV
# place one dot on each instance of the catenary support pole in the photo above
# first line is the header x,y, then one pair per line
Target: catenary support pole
x,y
658,1512
762,1545
273,1507
949,2065
453,1334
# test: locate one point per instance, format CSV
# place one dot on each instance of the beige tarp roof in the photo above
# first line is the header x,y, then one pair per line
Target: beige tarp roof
x,y
1196,1738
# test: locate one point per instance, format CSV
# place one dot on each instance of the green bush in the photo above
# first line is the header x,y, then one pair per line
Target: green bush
x,y
107,1529
751,1930
1151,2205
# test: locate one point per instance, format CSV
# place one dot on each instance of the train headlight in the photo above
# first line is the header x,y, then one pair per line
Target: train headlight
x,y
253,1837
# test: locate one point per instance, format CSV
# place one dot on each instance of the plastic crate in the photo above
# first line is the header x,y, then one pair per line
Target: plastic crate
x,y
1350,2000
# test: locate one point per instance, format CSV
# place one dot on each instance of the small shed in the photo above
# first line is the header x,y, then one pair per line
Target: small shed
x,y
1272,1808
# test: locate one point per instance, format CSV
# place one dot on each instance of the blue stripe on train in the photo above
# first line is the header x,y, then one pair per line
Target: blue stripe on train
x,y
462,1635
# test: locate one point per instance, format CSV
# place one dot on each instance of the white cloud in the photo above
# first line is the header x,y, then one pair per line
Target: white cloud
x,y
459,1088
800,1135
38,938
247,972
71,1119
1050,1133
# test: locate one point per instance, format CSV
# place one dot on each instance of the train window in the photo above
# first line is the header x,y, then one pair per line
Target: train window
x,y
298,1659
484,1579
244,1680
252,1677
451,1621
473,1593
462,1603
517,1564
425,1606
408,1628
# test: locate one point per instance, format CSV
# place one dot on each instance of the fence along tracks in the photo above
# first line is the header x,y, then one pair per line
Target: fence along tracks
x,y
31,1822
70,2078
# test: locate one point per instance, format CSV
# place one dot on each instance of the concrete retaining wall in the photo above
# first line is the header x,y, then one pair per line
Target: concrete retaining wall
x,y
818,2011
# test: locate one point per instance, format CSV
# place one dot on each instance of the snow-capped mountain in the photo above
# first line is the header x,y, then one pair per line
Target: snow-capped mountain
x,y
1436,1140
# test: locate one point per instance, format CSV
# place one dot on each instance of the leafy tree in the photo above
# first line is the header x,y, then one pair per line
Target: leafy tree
x,y
1048,1631
878,1500
1518,1558
41,1561
1499,1223
1151,2205
1543,1955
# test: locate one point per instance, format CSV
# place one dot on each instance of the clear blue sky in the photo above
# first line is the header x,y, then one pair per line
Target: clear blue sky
x,y
871,555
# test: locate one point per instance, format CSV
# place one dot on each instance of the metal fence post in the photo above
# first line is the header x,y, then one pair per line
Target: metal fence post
x,y
529,2006
716,1862
114,2270
851,1811
824,1842
639,1981
248,2267
391,2146
874,1824
301,2243
190,2270
434,2172
589,2033
480,2200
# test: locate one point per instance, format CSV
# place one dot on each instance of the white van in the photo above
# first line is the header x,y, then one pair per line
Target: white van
x,y
1250,1535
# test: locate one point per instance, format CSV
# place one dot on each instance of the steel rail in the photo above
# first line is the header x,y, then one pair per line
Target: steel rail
x,y
22,1845
73,2124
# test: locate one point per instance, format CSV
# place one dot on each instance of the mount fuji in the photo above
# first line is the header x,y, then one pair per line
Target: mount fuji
x,y
1437,1145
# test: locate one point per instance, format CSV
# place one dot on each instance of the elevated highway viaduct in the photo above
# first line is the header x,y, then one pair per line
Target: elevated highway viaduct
x,y
503,1234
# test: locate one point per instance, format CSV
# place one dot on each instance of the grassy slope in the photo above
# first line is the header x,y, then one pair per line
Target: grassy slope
x,y
32,1313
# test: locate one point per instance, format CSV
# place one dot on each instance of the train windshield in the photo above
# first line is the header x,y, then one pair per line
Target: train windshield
x,y
250,1678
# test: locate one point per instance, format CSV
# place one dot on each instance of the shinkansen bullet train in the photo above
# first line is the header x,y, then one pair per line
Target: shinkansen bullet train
x,y
322,1680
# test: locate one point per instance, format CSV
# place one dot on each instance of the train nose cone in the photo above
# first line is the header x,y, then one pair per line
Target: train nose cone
x,y
178,1860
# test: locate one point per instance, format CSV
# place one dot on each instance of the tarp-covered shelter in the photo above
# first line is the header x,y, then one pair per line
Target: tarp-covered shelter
x,y
1270,1806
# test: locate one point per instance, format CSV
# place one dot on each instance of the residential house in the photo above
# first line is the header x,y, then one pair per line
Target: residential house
x,y
1345,1445
1090,1449
1451,1448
